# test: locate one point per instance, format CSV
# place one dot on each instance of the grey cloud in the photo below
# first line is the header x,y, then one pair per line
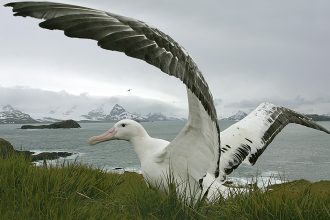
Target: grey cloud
x,y
249,51
217,101
39,102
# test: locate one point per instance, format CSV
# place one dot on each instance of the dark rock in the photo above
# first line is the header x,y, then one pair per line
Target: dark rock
x,y
61,124
50,155
5,148
26,153
44,155
34,126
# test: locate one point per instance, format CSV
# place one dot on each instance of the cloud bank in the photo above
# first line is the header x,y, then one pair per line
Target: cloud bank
x,y
39,103
249,52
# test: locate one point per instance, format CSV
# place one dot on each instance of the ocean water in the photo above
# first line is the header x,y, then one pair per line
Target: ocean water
x,y
296,153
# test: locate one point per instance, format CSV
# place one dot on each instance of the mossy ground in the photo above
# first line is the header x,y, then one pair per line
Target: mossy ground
x,y
80,192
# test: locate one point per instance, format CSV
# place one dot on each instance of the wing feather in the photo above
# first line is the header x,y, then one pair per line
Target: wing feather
x,y
196,148
247,139
139,40
158,49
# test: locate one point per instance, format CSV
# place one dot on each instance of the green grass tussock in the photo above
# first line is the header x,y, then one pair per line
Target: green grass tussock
x,y
76,191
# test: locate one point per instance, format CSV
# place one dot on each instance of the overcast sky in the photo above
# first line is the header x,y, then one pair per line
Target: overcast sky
x,y
249,52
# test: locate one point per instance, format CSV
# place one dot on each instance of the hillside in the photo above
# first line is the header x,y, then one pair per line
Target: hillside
x,y
10,115
236,117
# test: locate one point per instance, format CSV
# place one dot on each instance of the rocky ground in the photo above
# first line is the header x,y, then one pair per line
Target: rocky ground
x,y
6,149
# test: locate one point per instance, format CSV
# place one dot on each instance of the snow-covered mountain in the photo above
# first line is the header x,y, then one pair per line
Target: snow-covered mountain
x,y
97,114
118,113
161,117
10,115
236,117
59,113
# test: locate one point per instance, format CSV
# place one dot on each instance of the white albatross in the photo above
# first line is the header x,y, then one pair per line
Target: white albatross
x,y
196,156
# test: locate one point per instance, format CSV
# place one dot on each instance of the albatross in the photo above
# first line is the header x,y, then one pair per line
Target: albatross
x,y
196,156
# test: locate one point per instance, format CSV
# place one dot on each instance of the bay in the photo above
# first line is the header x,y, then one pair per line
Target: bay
x,y
296,153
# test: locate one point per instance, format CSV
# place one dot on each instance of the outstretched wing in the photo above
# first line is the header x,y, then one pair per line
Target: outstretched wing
x,y
196,149
136,39
118,33
247,139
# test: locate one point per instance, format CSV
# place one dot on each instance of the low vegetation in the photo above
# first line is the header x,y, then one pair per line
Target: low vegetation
x,y
75,191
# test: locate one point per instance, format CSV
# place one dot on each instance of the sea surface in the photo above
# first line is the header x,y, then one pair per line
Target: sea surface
x,y
296,153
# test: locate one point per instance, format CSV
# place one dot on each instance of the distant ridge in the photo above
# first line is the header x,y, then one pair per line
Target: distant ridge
x,y
97,114
118,113
240,115
10,115
236,117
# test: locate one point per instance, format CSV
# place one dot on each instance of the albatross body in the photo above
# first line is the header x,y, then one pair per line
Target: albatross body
x,y
153,156
243,142
148,149
196,156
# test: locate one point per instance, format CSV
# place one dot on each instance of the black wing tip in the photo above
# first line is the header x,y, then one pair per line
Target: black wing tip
x,y
26,9
10,4
289,112
13,4
326,131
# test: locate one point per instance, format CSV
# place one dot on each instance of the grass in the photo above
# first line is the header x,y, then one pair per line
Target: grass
x,y
77,191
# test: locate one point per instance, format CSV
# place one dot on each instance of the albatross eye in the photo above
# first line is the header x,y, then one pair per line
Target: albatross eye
x,y
123,125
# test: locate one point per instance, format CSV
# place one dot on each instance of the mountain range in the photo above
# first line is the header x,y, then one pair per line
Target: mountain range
x,y
240,115
236,117
10,115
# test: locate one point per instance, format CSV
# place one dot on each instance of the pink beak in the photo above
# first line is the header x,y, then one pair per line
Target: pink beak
x,y
103,137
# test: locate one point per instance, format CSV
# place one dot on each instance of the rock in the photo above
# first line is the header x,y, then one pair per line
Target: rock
x,y
34,126
50,155
61,124
44,155
5,148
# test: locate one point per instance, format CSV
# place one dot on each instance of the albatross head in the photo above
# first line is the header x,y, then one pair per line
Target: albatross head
x,y
123,130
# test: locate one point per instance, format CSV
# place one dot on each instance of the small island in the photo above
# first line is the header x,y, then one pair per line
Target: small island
x,y
56,125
